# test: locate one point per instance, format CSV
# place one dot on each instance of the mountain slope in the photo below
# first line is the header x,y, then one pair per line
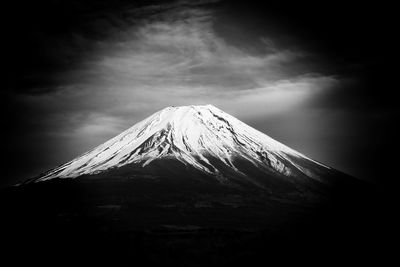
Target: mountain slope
x,y
199,139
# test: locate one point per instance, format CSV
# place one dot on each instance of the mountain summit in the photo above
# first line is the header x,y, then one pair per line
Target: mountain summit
x,y
196,141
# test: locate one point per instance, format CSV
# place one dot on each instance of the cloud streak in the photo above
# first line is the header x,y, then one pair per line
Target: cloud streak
x,y
176,58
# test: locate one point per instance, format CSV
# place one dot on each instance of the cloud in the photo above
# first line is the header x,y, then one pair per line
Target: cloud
x,y
165,55
186,51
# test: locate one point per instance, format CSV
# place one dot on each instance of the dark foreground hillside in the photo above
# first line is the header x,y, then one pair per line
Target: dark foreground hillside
x,y
147,222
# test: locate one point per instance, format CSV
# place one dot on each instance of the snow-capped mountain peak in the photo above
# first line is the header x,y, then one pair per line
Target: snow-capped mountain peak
x,y
201,137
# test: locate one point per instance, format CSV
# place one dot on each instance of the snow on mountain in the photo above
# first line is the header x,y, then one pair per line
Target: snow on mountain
x,y
196,136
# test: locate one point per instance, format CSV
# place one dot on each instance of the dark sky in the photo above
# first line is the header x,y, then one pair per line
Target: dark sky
x,y
313,75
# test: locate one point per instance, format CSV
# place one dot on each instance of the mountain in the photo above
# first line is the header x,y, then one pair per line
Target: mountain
x,y
198,141
189,186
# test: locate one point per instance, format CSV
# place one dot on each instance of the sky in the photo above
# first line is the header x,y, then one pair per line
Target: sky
x,y
315,77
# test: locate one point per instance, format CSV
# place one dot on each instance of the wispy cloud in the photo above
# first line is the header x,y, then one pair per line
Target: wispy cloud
x,y
170,55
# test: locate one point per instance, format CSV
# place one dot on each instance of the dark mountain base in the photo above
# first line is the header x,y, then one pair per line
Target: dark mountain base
x,y
145,222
